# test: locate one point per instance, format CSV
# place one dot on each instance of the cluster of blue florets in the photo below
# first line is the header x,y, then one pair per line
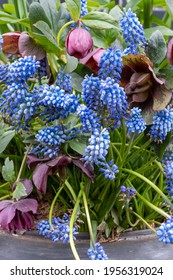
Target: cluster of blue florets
x,y
132,30
162,124
91,92
128,193
111,64
59,229
64,81
135,122
97,252
168,170
165,231
88,118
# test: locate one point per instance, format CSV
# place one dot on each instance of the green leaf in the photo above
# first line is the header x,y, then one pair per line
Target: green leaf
x,y
116,12
9,8
156,49
99,20
164,30
5,139
77,146
71,65
76,81
19,191
36,13
8,171
74,7
169,4
160,148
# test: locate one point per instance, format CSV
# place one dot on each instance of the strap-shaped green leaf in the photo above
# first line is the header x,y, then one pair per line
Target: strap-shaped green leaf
x,y
74,7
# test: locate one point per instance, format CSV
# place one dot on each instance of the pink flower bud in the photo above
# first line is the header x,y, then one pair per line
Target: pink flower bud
x,y
79,42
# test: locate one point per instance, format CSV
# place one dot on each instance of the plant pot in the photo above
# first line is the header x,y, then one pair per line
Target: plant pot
x,y
137,245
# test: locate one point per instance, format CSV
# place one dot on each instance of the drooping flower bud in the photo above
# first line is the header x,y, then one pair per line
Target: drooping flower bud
x,y
79,42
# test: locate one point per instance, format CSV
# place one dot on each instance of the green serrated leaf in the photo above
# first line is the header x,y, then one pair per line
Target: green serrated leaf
x,y
164,30
71,65
74,7
77,146
5,139
8,171
46,31
99,20
19,191
37,13
156,49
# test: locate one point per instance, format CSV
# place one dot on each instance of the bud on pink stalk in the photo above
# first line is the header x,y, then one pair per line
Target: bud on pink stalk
x,y
79,42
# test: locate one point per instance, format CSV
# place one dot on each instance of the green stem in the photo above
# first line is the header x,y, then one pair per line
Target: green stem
x,y
145,222
149,183
88,219
71,190
23,163
61,30
128,216
73,216
152,206
148,6
4,185
53,204
5,196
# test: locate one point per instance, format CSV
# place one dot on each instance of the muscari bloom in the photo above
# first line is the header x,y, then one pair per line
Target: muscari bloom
x,y
97,252
135,122
59,230
131,28
91,92
110,64
79,42
162,124
168,170
17,215
128,193
88,118
63,81
165,231
114,97
96,151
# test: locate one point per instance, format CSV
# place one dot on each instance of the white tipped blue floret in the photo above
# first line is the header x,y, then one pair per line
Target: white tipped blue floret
x,y
63,81
111,64
135,122
97,252
131,28
91,92
165,231
162,124
168,170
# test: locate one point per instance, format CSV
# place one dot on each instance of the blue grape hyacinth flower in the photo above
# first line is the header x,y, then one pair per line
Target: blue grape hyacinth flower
x,y
135,122
91,92
162,124
165,231
97,252
168,170
63,81
131,28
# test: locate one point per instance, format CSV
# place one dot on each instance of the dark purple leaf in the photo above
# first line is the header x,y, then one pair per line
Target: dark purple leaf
x,y
86,169
27,205
6,215
10,42
27,46
32,160
40,176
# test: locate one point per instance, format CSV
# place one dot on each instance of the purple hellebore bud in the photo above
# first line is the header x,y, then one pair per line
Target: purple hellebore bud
x,y
17,215
79,42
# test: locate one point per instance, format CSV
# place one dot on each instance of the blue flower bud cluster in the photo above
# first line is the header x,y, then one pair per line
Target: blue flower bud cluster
x,y
128,192
135,122
57,102
111,64
59,230
168,170
97,252
167,157
4,73
50,139
63,81
131,29
42,70
114,97
23,69
18,106
91,92
96,151
165,231
162,124
84,9
88,118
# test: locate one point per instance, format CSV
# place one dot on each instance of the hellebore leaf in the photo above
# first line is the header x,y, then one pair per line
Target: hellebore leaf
x,y
5,139
27,46
19,191
74,7
99,20
77,146
156,48
8,171
37,13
